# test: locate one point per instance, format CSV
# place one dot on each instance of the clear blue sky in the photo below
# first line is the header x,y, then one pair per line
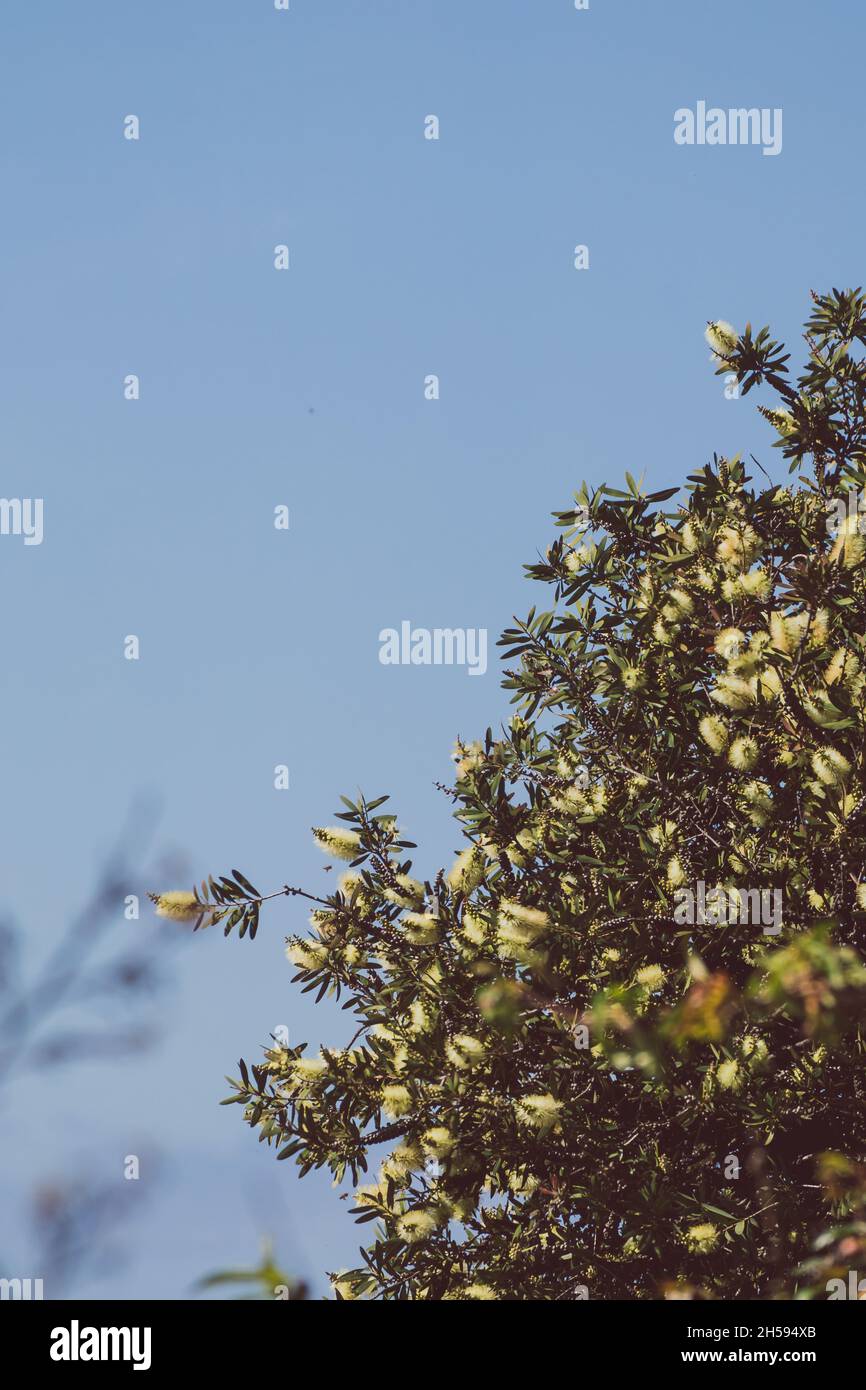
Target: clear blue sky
x,y
409,257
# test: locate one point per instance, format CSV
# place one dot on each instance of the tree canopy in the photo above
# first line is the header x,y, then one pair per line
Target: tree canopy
x,y
615,1049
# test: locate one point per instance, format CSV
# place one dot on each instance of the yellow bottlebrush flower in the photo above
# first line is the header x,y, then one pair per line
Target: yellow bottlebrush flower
x,y
730,642
757,802
396,1101
820,709
737,547
338,843
781,635
781,420
422,1017
714,732
481,1293
756,584
704,579
467,757
418,1225
745,666
735,693
682,600
786,633
309,1068
749,1044
179,906
662,634
279,1059
770,683
815,900
370,1195
532,919
855,682
721,336
465,1051
510,948
516,854
703,1238
841,663
663,834
572,802
690,536
676,873
355,891
743,754
323,921
650,976
633,678
819,628
344,1287
728,1075
307,955
467,871
384,1034
645,592
854,551
758,794
830,766
576,559
438,1141
475,928
420,928
539,1112
408,893
512,934
531,838
861,896
849,541
405,1160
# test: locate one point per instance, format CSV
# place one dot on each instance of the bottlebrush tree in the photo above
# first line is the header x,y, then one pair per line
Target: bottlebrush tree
x,y
582,1066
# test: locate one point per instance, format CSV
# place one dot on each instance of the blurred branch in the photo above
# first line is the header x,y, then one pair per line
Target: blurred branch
x,y
71,975
268,1281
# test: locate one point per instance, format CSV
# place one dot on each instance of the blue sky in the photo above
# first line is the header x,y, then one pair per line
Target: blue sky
x,y
305,388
